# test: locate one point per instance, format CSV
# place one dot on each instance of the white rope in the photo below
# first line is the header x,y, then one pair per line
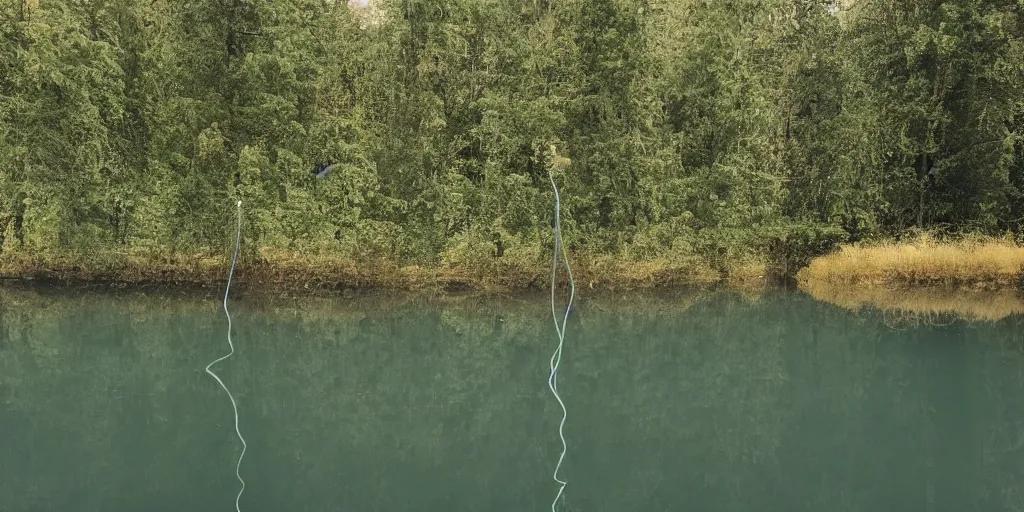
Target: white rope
x,y
234,406
556,357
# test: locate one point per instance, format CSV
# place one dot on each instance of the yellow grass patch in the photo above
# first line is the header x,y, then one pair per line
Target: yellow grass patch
x,y
972,279
989,263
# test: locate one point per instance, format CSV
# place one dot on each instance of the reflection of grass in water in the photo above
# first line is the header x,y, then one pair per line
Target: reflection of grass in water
x,y
39,303
922,305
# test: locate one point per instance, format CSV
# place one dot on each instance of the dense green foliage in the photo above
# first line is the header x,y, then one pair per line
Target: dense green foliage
x,y
680,130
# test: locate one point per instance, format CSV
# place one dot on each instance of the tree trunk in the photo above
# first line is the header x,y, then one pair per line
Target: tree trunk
x,y
922,182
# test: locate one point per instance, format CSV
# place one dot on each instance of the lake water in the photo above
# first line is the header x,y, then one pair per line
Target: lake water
x,y
710,402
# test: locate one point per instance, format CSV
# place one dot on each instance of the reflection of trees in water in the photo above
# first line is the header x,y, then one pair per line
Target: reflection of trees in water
x,y
715,401
89,376
688,397
1001,389
736,395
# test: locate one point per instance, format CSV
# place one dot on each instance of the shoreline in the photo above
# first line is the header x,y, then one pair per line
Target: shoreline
x,y
921,280
290,275
919,265
974,263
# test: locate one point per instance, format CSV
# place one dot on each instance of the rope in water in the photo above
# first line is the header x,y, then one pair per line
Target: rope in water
x,y
234,406
556,357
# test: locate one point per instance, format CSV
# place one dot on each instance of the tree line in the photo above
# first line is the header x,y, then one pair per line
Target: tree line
x,y
676,128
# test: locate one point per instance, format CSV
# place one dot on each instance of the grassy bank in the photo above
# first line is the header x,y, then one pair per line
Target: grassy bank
x,y
283,272
979,263
922,280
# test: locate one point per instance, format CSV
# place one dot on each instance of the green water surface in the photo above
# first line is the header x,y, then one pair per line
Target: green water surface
x,y
715,402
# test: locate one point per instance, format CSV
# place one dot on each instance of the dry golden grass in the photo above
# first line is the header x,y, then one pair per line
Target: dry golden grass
x,y
610,273
975,279
287,273
992,263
